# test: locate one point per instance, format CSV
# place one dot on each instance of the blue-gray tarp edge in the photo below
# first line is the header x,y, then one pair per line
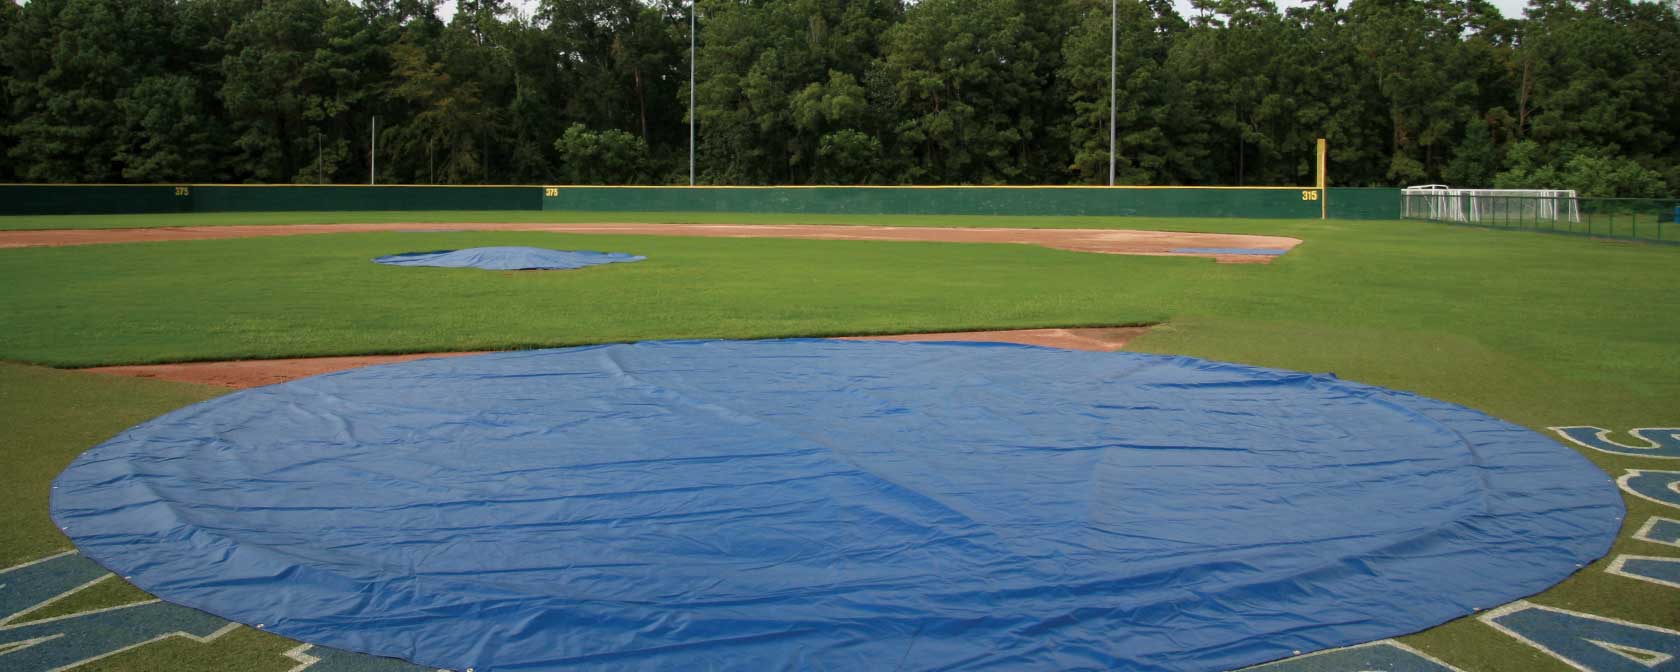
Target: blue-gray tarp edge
x,y
509,259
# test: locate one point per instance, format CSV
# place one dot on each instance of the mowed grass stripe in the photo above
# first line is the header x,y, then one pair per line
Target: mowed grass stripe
x,y
320,295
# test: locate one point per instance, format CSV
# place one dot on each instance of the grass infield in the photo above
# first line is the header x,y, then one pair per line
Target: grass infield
x,y
1539,330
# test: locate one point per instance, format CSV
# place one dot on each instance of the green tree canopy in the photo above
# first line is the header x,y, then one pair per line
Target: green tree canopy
x,y
1578,94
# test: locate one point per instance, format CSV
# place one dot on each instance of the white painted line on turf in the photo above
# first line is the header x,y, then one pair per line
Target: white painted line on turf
x,y
50,601
168,635
1411,650
17,646
1645,657
24,644
300,654
1393,643
37,561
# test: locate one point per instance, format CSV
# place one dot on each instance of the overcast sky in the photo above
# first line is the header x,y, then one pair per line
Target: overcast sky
x,y
1506,7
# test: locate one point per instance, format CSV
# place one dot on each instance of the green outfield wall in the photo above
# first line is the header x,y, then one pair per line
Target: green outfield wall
x,y
30,199
219,198
1257,202
1359,203
1287,203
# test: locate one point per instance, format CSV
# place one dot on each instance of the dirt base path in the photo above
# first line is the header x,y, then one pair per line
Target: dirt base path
x,y
1107,339
1220,246
242,374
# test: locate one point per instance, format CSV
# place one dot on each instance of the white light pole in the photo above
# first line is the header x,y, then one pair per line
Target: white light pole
x,y
373,147
692,8
1113,83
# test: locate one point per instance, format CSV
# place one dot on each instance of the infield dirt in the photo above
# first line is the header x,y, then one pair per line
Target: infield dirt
x,y
1101,241
241,374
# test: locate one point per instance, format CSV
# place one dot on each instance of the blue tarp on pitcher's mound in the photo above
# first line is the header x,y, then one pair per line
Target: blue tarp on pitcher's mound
x,y
835,505
508,259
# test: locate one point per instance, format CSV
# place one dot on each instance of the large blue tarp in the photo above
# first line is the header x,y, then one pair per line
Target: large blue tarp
x,y
508,258
835,505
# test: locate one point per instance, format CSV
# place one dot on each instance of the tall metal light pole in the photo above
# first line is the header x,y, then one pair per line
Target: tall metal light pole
x,y
692,8
1113,83
373,148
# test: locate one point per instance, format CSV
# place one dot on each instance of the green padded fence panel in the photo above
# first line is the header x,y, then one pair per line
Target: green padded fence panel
x,y
330,198
1053,201
44,199
1145,202
1364,203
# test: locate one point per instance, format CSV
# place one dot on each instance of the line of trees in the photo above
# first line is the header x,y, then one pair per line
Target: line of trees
x,y
1579,94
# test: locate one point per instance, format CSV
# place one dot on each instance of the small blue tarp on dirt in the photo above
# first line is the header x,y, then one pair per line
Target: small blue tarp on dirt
x,y
508,259
835,505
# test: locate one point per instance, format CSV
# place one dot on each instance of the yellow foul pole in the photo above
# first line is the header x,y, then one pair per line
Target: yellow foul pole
x,y
1323,179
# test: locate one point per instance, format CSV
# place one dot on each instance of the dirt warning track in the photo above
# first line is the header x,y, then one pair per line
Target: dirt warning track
x,y
1226,248
241,374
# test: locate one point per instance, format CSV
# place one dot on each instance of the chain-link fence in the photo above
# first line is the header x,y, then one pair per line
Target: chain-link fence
x,y
1648,219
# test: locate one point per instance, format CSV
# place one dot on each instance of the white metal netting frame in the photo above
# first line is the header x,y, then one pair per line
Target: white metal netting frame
x,y
1439,202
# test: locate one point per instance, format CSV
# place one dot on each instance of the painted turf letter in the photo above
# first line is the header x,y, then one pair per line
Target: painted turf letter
x,y
69,641
1384,656
1659,530
1662,487
64,642
1589,643
1664,442
27,587
1658,570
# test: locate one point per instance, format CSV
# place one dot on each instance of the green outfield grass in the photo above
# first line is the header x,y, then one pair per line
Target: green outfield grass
x,y
321,295
1541,330
1598,320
